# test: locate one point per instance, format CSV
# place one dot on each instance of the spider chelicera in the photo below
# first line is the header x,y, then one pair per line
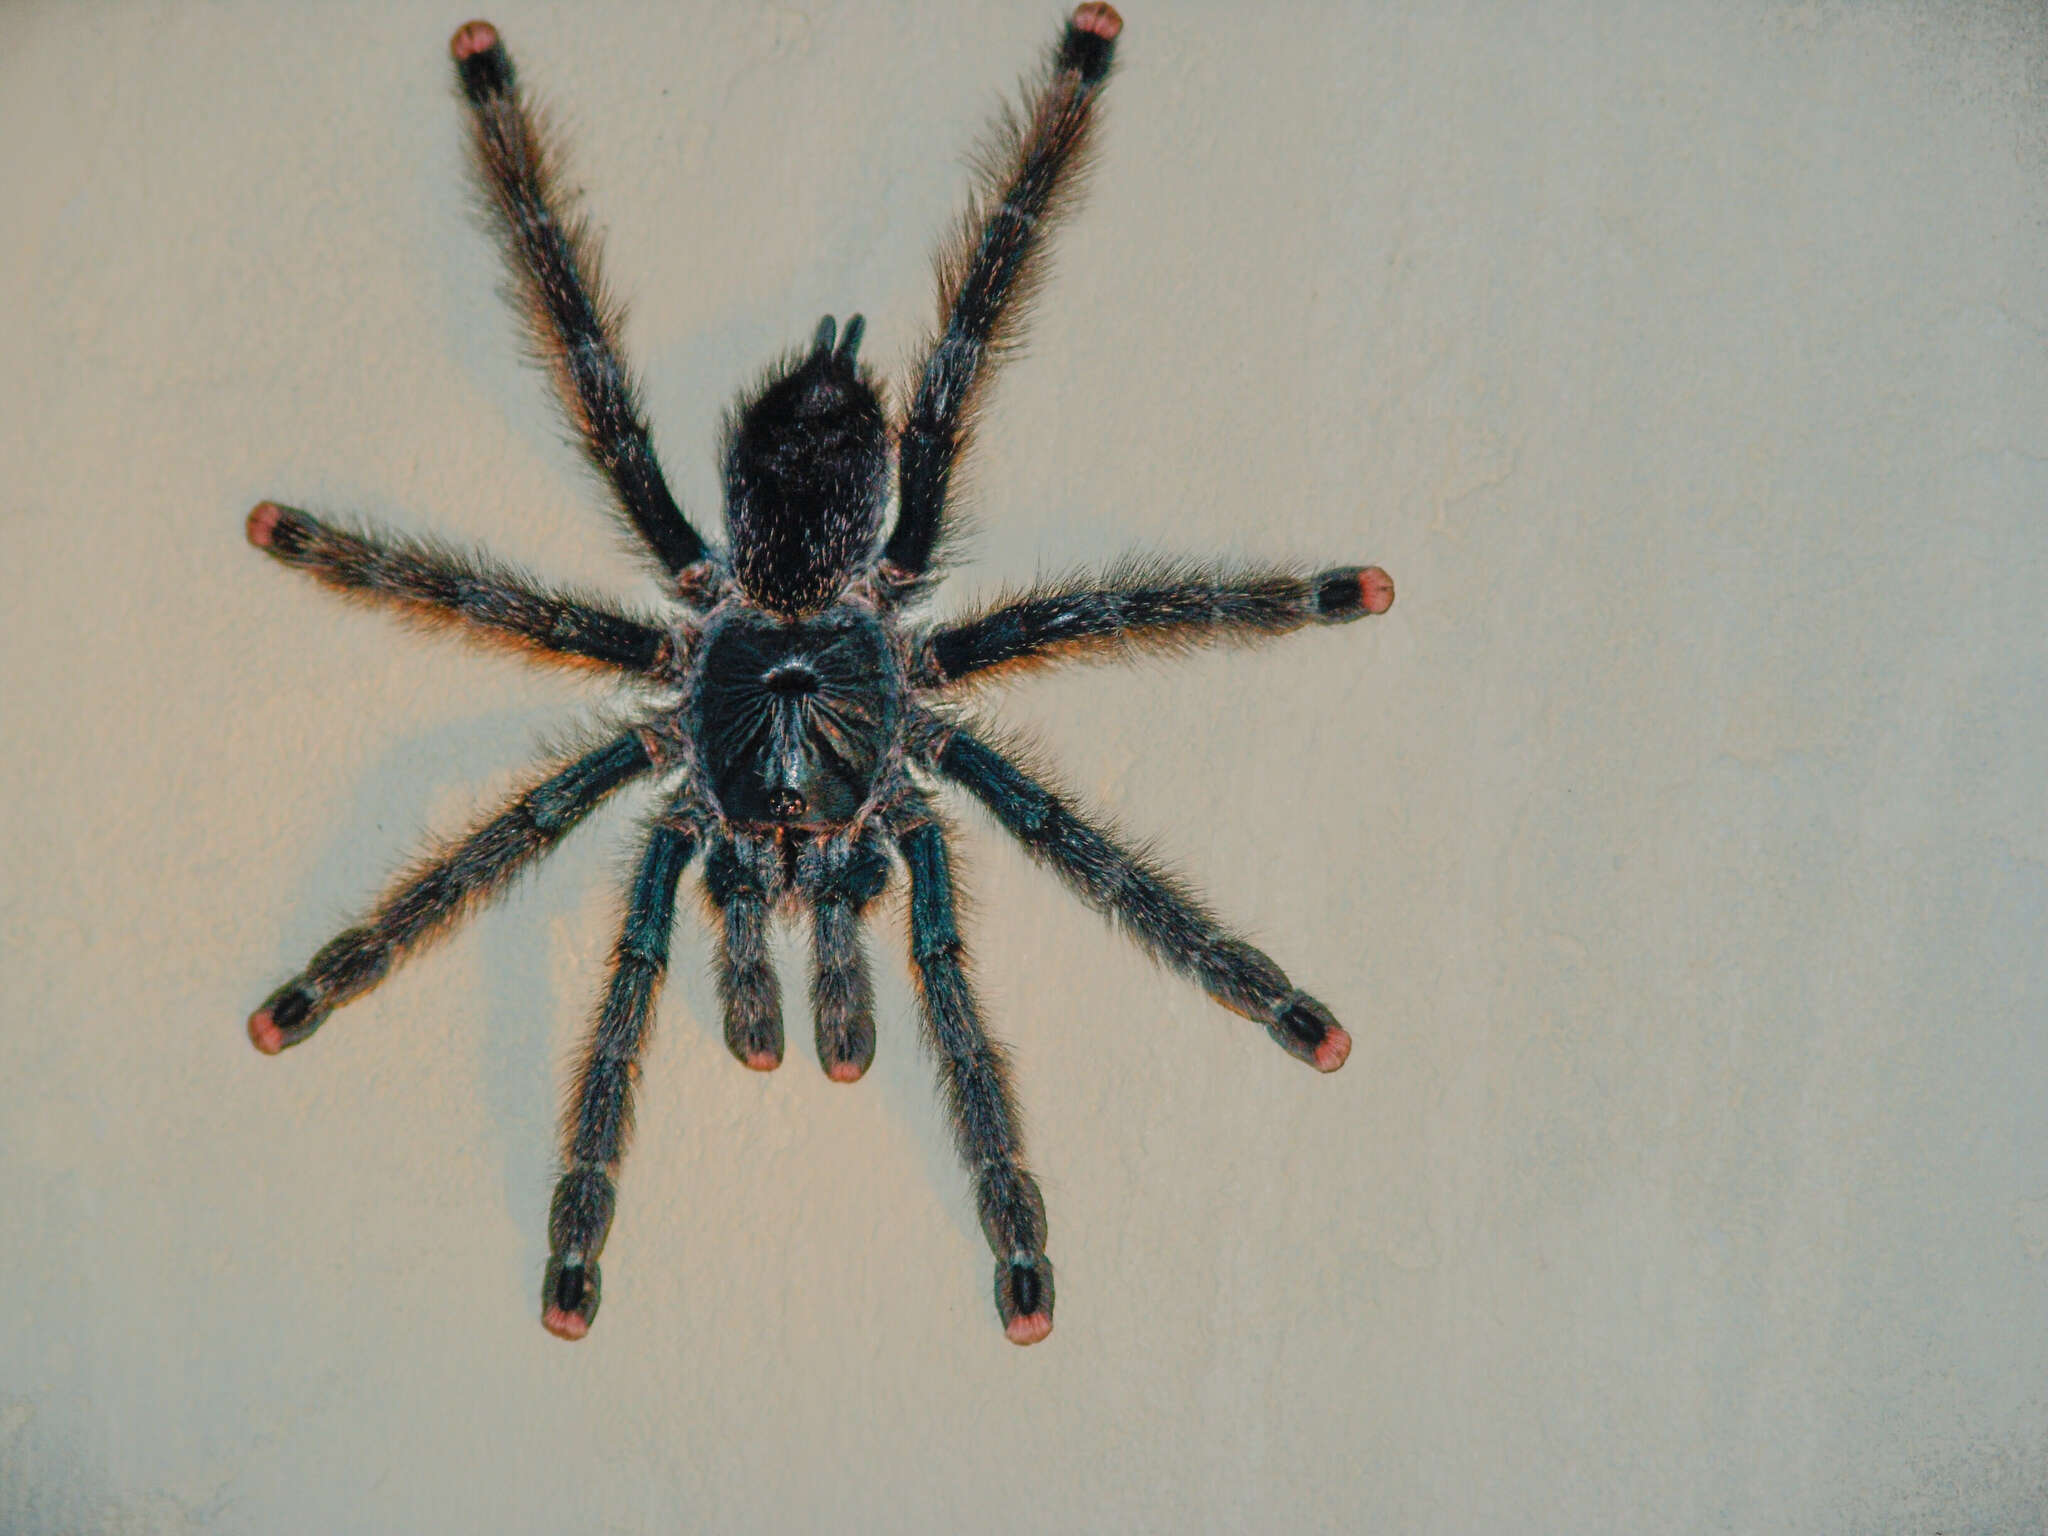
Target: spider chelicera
x,y
800,718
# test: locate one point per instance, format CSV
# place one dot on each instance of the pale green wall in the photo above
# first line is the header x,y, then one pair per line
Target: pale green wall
x,y
1676,849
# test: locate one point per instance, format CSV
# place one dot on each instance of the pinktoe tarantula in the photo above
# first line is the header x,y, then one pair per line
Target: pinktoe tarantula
x,y
802,719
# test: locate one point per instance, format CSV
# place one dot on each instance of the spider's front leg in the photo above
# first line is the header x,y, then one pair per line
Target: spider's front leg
x,y
600,1116
427,901
976,1080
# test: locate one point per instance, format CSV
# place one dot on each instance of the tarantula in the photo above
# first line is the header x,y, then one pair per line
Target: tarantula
x,y
802,717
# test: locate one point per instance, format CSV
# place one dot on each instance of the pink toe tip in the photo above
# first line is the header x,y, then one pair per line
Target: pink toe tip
x,y
1334,1051
845,1071
761,1061
471,39
1103,21
264,1033
1375,589
1028,1329
564,1325
262,524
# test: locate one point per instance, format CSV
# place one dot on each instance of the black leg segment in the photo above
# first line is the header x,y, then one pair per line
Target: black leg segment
x,y
1151,905
439,891
986,277
440,585
975,1078
1158,605
600,1116
573,324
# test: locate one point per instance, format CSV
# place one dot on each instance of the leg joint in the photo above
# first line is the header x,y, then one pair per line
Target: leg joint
x,y
731,879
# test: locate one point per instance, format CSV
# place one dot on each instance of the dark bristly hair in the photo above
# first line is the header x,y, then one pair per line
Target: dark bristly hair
x,y
807,478
795,714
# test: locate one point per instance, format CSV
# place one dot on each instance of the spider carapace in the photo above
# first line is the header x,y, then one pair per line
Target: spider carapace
x,y
794,711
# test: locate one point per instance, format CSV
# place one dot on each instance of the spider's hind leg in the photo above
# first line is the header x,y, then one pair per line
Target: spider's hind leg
x,y
741,876
839,877
555,268
986,277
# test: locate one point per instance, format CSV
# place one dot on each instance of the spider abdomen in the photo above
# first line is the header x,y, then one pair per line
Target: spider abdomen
x,y
806,477
795,719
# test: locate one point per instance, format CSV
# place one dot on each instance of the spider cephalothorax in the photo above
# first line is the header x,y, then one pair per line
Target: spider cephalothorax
x,y
804,716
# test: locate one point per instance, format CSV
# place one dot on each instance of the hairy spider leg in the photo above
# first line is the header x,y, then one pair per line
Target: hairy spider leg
x,y
473,591
1155,908
599,1119
975,1077
571,319
1164,605
839,876
740,877
987,277
431,898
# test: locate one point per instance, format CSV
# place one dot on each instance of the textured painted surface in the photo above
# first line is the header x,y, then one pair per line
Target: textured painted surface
x,y
1676,849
